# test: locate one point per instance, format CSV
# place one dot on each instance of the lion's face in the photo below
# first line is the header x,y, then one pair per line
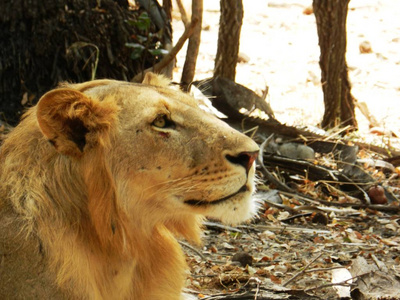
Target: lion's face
x,y
165,153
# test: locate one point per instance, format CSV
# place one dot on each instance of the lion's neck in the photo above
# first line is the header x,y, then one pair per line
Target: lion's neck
x,y
84,270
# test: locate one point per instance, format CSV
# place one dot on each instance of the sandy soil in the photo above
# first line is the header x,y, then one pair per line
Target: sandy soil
x,y
282,44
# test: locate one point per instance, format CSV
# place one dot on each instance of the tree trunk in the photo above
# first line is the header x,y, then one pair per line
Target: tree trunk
x,y
169,69
230,25
331,26
167,5
189,67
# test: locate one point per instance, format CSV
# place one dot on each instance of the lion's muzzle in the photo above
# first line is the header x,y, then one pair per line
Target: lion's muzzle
x,y
245,159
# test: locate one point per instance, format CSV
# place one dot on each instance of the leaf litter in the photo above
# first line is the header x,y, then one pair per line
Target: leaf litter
x,y
350,251
327,228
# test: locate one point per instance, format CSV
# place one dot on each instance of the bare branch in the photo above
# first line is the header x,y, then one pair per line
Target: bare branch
x,y
171,55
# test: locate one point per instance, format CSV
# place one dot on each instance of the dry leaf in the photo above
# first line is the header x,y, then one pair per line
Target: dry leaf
x,y
339,276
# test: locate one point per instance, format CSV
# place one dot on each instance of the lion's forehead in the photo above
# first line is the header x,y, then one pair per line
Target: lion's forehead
x,y
146,102
125,93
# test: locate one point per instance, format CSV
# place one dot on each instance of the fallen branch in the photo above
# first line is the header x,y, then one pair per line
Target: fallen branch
x,y
262,228
377,207
318,173
220,226
261,293
323,269
271,178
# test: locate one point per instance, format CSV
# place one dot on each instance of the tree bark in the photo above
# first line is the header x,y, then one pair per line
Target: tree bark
x,y
331,26
230,25
189,67
183,13
167,5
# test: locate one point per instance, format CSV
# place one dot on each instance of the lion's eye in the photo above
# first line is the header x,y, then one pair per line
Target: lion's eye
x,y
162,121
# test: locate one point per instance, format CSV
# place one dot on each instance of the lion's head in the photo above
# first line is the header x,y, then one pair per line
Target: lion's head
x,y
110,157
162,150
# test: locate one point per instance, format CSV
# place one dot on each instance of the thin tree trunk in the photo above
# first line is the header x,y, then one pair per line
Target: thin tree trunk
x,y
167,5
230,25
189,67
183,13
169,69
331,26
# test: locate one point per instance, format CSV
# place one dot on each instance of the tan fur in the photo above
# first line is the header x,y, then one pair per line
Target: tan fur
x,y
93,195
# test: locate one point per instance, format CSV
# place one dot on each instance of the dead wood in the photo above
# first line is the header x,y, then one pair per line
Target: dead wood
x,y
268,175
311,171
395,160
229,97
352,187
262,293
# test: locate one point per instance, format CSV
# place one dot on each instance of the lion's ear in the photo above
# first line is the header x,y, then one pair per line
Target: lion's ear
x,y
156,80
71,121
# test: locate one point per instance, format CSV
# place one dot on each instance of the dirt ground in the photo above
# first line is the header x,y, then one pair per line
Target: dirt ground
x,y
282,44
299,257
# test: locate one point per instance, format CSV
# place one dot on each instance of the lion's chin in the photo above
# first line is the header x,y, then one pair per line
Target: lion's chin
x,y
238,209
233,209
193,202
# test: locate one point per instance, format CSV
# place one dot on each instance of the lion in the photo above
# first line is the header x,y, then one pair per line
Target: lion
x,y
101,179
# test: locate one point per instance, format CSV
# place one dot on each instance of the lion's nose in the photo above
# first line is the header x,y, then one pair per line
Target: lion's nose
x,y
244,159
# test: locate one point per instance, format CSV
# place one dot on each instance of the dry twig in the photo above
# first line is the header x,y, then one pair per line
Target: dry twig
x,y
302,271
193,249
342,283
